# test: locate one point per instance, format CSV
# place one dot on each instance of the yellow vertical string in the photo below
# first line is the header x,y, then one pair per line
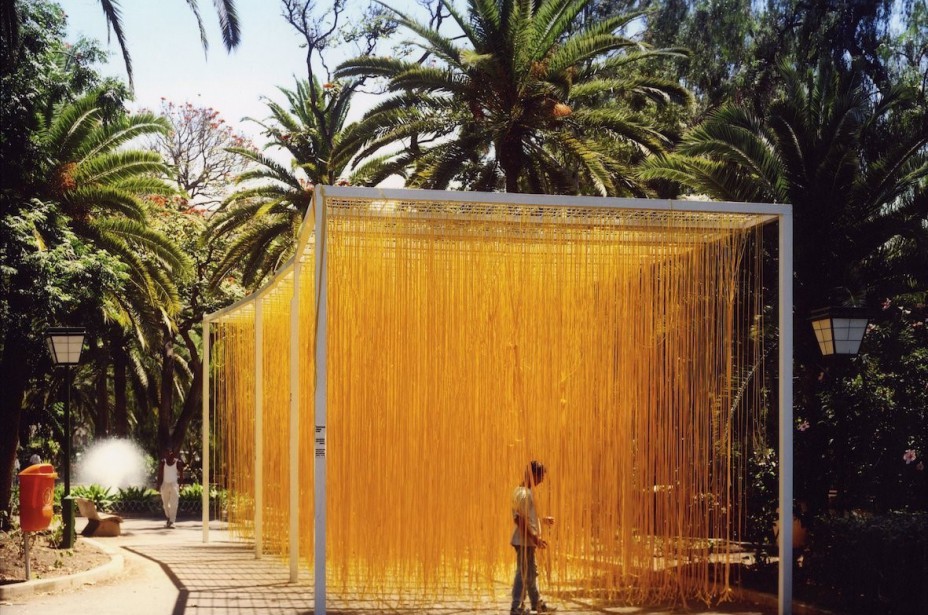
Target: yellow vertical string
x,y
464,341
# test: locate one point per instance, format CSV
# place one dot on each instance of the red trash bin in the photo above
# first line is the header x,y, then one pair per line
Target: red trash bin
x,y
36,495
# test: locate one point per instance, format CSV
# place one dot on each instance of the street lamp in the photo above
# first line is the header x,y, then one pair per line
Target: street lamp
x,y
839,330
65,345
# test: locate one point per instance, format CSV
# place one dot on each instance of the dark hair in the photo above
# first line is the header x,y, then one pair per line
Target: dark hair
x,y
538,470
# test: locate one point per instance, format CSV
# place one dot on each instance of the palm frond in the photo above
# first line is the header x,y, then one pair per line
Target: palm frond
x,y
113,14
228,23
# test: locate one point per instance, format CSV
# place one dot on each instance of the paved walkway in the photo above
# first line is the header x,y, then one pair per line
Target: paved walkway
x,y
171,572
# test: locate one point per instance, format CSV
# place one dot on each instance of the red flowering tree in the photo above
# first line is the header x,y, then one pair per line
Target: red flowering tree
x,y
197,152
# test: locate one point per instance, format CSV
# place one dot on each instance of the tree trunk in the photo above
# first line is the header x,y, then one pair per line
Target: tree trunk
x,y
102,419
15,373
194,397
511,159
120,410
166,397
191,406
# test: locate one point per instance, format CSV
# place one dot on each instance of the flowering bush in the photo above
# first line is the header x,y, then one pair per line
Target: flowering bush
x,y
863,434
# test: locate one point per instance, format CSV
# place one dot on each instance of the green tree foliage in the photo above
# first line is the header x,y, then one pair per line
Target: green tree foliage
x,y
738,45
26,308
854,166
525,95
815,150
101,187
66,157
198,153
869,438
718,36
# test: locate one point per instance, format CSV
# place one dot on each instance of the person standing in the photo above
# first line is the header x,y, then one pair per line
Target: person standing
x,y
526,537
170,473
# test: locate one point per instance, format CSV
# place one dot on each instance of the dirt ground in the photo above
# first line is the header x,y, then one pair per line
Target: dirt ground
x,y
46,560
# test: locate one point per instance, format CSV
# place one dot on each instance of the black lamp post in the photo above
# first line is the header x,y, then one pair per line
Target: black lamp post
x,y
65,345
839,330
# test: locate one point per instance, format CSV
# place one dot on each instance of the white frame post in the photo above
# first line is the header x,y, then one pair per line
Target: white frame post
x,y
295,424
259,427
785,569
204,502
321,385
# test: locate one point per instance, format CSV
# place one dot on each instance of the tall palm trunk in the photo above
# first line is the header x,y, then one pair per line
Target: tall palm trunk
x,y
166,397
511,159
120,409
191,405
102,418
193,399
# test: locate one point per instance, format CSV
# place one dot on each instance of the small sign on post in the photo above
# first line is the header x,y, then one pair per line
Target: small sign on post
x,y
320,440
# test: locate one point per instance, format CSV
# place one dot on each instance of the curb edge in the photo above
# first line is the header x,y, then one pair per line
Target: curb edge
x,y
37,586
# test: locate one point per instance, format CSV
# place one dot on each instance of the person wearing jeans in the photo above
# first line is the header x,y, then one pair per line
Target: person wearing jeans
x,y
526,537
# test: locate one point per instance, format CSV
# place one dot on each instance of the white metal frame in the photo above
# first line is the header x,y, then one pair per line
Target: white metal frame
x,y
314,227
259,428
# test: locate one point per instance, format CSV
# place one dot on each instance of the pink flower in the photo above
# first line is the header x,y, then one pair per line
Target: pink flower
x,y
909,456
886,304
803,426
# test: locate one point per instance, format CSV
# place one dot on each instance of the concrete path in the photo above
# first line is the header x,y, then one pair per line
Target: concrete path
x,y
171,572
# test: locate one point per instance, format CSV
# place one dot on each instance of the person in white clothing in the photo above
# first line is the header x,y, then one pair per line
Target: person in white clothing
x,y
170,474
526,537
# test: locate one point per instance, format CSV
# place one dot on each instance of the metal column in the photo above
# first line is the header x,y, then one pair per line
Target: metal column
x,y
321,260
259,426
295,423
205,428
785,582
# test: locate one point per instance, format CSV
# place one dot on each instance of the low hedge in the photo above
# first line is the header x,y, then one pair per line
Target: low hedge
x,y
872,564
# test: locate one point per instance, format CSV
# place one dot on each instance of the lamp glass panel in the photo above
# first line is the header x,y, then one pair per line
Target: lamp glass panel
x,y
849,333
52,350
824,336
67,348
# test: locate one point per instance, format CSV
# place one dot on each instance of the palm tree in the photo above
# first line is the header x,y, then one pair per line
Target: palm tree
x,y
529,92
101,191
112,12
101,187
312,129
261,219
855,194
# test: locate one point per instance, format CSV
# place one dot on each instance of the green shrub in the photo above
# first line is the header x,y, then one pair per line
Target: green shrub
x,y
191,492
102,497
873,564
134,494
136,500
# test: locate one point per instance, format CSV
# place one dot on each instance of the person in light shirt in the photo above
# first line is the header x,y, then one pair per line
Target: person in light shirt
x,y
526,537
170,474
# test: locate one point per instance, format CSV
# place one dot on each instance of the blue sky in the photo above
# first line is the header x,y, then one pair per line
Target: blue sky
x,y
168,59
